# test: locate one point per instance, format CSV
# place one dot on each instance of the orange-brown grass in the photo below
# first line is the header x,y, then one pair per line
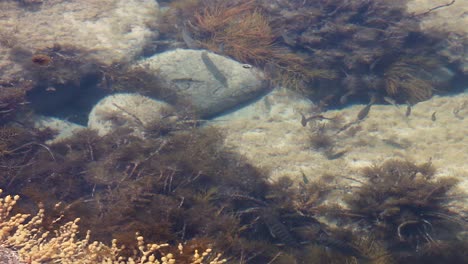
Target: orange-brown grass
x,y
405,81
248,39
242,31
217,15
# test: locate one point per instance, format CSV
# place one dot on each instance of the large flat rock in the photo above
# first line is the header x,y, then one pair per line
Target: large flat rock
x,y
211,83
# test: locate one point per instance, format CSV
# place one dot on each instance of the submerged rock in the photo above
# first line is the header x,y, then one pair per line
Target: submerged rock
x,y
126,110
64,128
211,83
9,256
102,31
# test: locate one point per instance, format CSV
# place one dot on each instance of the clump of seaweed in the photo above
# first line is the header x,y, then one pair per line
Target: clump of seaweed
x,y
410,80
331,50
405,206
320,140
119,184
12,98
288,217
42,60
25,238
362,39
20,147
323,132
197,190
346,50
124,78
241,30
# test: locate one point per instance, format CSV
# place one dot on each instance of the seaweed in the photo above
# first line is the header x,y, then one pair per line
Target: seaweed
x,y
363,40
126,78
321,140
12,98
200,192
346,50
409,80
196,190
61,76
322,136
405,206
119,183
241,30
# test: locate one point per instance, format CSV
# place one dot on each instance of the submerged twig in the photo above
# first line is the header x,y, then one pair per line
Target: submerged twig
x,y
435,8
33,143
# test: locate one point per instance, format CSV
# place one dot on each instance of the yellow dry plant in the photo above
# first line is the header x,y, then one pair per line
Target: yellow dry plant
x,y
34,245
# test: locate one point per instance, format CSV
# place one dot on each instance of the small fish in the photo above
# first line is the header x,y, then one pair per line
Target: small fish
x,y
335,155
394,144
305,120
389,212
213,69
344,98
325,101
433,117
50,89
189,41
304,178
342,246
408,110
364,112
343,128
221,48
390,101
277,229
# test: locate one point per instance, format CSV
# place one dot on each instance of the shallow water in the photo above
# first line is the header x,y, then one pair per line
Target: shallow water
x,y
297,132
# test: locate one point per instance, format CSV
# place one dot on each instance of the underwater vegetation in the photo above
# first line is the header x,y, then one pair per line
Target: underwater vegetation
x,y
410,80
25,240
126,78
359,39
56,66
402,204
179,183
12,98
60,76
182,185
120,184
241,30
332,51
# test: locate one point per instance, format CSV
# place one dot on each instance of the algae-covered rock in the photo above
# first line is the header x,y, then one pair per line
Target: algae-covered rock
x,y
125,110
64,128
211,83
104,31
